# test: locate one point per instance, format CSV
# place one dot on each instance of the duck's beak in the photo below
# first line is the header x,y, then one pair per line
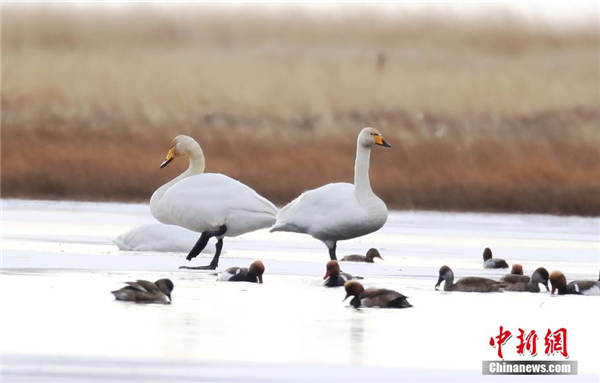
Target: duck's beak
x,y
169,296
553,290
546,285
170,157
381,142
379,256
347,296
260,279
327,274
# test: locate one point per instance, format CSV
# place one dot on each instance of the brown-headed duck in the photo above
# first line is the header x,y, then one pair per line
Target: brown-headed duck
x,y
467,284
371,255
559,284
145,291
516,275
253,273
374,297
334,277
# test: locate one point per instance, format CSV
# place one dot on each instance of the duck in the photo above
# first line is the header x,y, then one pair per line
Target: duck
x,y
334,277
492,263
560,286
339,211
142,291
211,204
467,284
369,258
540,275
372,297
516,275
159,237
254,273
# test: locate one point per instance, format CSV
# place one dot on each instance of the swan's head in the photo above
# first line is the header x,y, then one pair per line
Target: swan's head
x,y
371,136
257,268
180,146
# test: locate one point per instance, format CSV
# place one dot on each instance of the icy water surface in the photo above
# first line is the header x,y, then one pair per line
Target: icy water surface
x,y
61,323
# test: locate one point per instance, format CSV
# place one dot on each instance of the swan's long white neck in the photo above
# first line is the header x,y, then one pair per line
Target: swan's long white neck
x,y
362,185
196,166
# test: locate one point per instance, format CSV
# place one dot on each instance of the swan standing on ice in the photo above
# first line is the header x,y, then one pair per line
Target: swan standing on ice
x,y
212,204
339,211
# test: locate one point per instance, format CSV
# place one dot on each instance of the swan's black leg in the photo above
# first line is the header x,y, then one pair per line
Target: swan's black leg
x,y
215,261
201,244
332,252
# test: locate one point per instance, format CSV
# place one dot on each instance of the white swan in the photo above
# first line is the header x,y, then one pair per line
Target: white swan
x,y
159,237
212,204
339,211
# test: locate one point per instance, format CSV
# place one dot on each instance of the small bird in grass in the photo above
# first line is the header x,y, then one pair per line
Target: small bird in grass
x,y
142,291
253,273
371,254
516,275
374,297
334,277
559,284
467,284
492,263
540,275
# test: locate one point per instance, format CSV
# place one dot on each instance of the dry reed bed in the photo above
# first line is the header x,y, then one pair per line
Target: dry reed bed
x,y
490,116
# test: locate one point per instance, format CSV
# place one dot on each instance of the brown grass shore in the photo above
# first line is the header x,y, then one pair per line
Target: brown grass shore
x,y
494,115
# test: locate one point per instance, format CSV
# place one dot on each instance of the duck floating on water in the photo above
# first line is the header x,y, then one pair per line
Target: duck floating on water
x,y
334,277
492,263
540,275
382,298
467,284
369,258
142,291
516,275
254,273
560,286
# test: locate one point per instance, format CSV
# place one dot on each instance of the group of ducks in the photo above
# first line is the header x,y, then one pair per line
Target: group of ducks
x,y
516,281
218,206
160,291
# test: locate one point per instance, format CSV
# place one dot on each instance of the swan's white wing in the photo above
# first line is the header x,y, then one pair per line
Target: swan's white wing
x,y
329,212
160,237
206,201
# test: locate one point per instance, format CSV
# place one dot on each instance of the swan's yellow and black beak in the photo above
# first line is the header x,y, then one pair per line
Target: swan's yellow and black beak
x,y
170,157
381,142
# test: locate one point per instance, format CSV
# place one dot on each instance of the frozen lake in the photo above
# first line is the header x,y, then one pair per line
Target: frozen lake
x,y
60,323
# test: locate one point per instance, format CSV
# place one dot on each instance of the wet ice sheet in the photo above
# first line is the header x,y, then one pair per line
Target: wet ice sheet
x,y
60,264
